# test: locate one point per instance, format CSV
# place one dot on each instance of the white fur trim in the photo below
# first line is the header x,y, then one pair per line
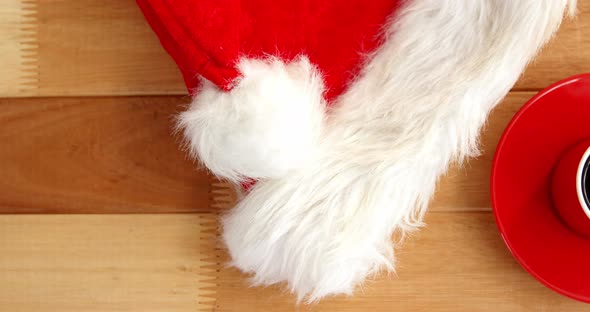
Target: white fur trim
x,y
264,127
419,104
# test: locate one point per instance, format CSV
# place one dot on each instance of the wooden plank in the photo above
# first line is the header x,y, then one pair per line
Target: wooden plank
x,y
104,47
18,48
457,263
153,263
96,155
107,155
102,263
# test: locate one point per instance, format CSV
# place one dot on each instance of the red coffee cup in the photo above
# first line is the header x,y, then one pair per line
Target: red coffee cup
x,y
570,188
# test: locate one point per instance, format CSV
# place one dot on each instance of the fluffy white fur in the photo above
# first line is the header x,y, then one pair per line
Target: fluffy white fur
x,y
419,105
264,127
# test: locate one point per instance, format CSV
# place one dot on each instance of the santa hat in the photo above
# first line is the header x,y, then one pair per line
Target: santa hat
x,y
346,112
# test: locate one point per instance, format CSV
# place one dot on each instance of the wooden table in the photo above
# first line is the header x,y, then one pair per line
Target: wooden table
x,y
100,211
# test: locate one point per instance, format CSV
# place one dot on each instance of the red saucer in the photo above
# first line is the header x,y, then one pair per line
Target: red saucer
x,y
541,131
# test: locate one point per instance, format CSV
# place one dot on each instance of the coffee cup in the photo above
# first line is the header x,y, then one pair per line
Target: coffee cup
x,y
570,188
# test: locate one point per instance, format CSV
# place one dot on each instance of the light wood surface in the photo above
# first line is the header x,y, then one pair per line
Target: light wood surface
x,y
105,47
101,47
99,262
100,210
152,263
18,48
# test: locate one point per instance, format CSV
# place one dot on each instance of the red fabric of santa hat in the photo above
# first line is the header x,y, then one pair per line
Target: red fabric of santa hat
x,y
346,112
288,60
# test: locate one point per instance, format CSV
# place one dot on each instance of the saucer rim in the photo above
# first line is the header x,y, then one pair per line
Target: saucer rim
x,y
493,194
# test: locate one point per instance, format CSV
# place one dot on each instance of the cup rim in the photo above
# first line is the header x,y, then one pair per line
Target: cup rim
x,y
579,182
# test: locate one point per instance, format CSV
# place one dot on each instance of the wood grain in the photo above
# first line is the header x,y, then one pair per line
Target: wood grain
x,y
152,263
106,155
100,262
101,47
96,155
104,47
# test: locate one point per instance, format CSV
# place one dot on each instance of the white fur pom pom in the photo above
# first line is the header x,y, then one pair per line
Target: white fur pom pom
x,y
267,125
418,105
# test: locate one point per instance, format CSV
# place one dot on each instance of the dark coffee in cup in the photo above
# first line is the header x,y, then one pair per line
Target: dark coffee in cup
x,y
586,182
